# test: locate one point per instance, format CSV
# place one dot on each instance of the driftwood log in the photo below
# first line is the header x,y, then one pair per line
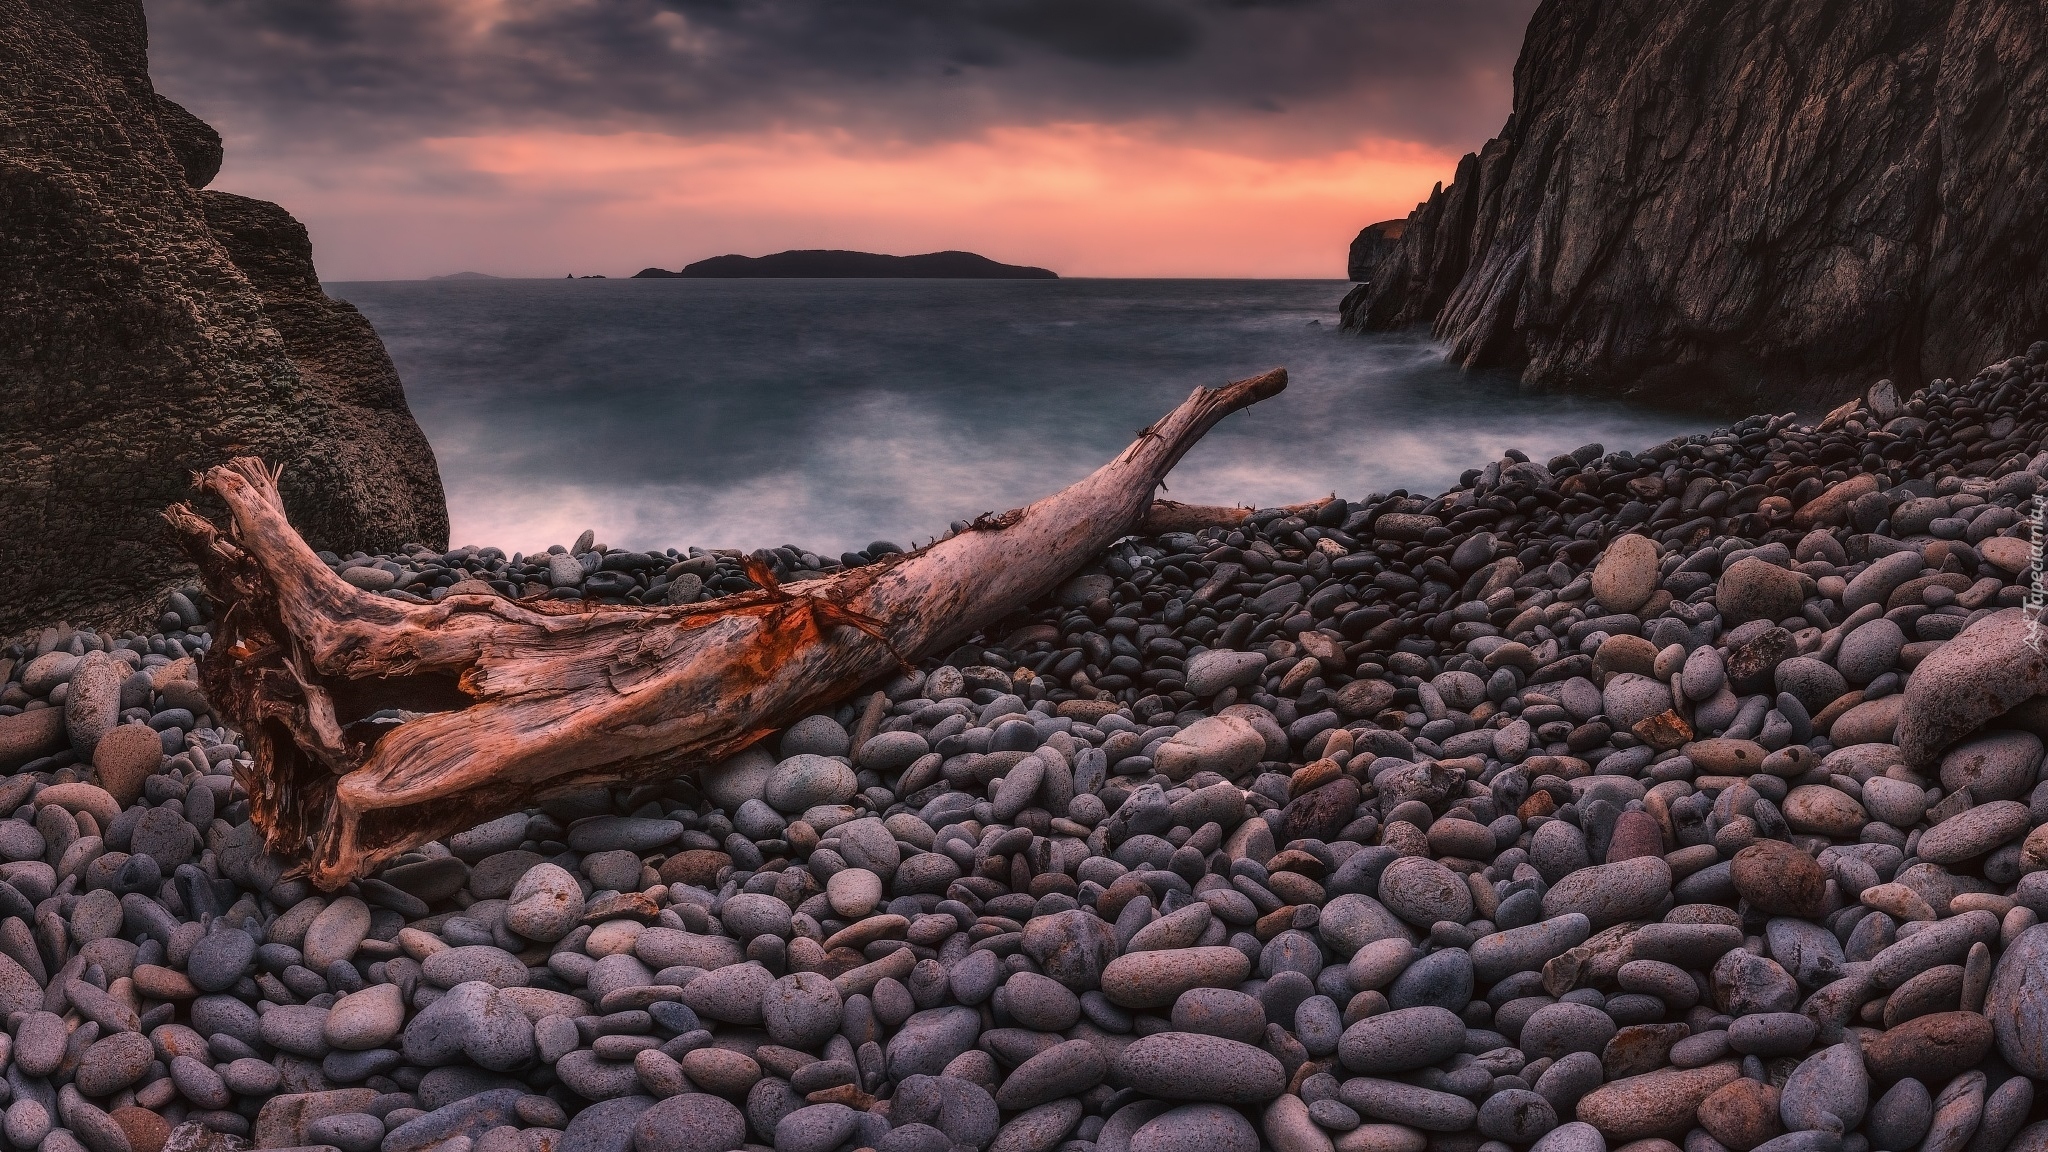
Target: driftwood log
x,y
507,703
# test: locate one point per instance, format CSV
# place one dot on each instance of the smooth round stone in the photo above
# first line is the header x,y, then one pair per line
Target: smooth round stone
x,y
2017,1003
1742,1114
1038,1130
1608,894
1813,682
930,1039
1067,1069
1820,810
220,959
616,870
802,1010
737,779
1223,1012
1895,802
336,933
1516,1116
1931,1049
1442,978
1755,589
1636,834
545,905
853,892
1401,1040
1870,651
801,782
1526,949
1197,1128
1227,745
92,706
974,977
126,756
1626,576
1191,1066
296,1028
746,915
39,1042
1654,1102
868,843
888,752
1831,1082
485,962
1973,832
1630,698
622,833
1210,672
1986,670
815,736
1901,1117
1353,921
146,1131
720,1071
606,1126
27,1123
1780,879
1559,1029
1704,673
1409,1104
692,1122
732,994
1041,1003
1156,979
367,1019
250,1076
1557,850
1997,766
112,1063
1423,892
1771,1034
815,1128
164,835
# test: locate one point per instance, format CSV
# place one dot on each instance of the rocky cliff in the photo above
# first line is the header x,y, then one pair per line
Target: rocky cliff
x,y
148,329
1741,203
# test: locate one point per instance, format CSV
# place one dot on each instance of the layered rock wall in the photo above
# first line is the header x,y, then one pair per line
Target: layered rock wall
x,y
148,330
1741,203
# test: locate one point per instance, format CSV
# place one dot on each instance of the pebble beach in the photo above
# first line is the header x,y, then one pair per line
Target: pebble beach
x,y
1681,798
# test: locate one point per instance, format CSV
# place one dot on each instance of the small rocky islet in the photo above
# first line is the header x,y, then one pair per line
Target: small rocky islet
x,y
1685,798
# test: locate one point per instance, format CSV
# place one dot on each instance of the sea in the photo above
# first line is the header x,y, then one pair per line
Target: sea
x,y
833,413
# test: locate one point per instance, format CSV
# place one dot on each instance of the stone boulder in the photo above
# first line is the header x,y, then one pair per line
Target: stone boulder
x,y
150,330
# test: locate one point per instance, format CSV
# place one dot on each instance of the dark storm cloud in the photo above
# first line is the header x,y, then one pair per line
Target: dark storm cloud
x,y
1433,71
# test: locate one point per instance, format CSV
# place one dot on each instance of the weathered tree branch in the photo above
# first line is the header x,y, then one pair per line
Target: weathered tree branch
x,y
511,702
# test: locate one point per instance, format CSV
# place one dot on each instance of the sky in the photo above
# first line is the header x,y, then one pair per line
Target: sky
x,y
1230,138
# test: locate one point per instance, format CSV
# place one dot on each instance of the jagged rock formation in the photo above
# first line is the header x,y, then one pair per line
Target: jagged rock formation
x,y
149,330
1741,203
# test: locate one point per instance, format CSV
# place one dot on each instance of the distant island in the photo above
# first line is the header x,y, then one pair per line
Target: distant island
x,y
838,264
465,276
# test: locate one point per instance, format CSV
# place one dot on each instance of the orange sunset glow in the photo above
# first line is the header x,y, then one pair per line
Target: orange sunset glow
x,y
1116,138
1088,200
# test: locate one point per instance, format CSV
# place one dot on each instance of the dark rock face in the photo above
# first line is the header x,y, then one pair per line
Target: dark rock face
x,y
1740,204
150,330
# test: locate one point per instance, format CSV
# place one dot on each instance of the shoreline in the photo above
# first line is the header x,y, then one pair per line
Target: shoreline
x,y
1590,803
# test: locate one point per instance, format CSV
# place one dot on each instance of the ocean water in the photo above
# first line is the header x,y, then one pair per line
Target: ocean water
x,y
831,413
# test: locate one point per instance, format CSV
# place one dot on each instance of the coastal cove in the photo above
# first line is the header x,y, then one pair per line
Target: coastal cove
x,y
753,413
